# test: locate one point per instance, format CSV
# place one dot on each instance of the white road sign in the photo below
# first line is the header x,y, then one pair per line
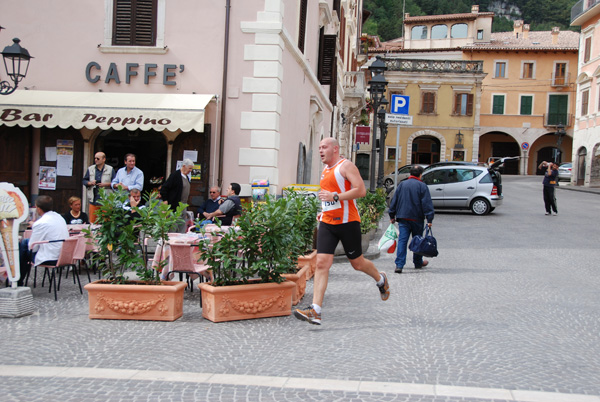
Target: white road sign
x,y
398,119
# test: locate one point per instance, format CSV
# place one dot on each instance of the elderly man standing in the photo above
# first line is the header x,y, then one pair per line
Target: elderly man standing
x,y
97,176
410,207
129,176
177,189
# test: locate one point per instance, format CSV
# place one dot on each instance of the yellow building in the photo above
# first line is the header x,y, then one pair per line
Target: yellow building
x,y
444,105
528,95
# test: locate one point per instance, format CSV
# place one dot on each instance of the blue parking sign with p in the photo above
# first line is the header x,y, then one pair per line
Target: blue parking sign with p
x,y
399,104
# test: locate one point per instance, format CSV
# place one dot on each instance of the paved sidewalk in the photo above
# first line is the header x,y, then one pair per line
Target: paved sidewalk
x,y
501,315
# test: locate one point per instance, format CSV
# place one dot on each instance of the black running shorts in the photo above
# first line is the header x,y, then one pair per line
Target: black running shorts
x,y
328,237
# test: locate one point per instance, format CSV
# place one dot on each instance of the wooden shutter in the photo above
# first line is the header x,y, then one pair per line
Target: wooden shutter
x,y
428,102
302,25
134,23
526,104
327,59
457,103
469,104
585,98
588,49
498,107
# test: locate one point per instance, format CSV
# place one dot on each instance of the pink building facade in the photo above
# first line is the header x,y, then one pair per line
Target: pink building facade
x,y
246,88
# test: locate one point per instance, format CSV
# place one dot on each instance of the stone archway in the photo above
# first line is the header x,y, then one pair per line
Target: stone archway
x,y
420,133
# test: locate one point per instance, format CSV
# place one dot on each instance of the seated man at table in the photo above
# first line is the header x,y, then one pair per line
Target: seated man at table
x,y
231,207
49,226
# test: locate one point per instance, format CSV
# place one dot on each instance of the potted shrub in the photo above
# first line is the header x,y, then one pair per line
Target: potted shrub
x,y
303,211
249,262
118,251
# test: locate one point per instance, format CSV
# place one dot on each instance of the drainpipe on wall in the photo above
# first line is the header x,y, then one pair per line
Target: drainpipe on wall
x,y
223,93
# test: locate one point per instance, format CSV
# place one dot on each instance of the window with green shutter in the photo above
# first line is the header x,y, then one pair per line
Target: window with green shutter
x,y
498,105
526,104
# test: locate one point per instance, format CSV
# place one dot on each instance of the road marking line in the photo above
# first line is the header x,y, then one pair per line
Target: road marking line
x,y
292,383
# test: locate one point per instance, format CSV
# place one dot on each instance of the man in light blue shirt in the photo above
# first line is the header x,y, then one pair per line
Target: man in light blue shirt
x,y
129,177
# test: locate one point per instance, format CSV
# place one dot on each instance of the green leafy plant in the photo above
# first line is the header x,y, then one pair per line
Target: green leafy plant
x,y
265,244
117,236
371,208
157,219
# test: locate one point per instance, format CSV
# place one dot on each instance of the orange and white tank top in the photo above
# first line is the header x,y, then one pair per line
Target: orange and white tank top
x,y
343,211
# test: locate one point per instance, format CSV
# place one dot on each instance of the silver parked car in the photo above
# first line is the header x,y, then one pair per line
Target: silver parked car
x,y
477,188
403,173
564,171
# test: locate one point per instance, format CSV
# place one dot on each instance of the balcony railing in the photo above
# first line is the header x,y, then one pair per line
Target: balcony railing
x,y
554,119
561,80
581,7
354,84
445,66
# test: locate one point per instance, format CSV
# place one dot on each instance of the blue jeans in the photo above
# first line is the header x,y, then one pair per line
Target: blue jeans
x,y
406,229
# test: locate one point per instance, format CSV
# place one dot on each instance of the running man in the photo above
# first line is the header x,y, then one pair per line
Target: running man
x,y
341,185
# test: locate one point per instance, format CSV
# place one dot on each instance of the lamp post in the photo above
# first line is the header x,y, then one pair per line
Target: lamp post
x,y
382,134
377,89
16,64
560,133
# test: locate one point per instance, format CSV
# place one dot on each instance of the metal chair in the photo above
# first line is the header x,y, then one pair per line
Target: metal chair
x,y
65,260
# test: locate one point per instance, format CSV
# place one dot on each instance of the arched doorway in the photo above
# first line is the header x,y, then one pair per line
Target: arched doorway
x,y
150,148
581,155
497,144
425,150
547,154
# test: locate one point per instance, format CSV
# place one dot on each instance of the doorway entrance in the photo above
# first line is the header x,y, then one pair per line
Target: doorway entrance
x,y
149,147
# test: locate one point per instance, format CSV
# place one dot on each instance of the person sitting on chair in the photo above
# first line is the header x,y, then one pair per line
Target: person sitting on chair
x,y
231,207
49,226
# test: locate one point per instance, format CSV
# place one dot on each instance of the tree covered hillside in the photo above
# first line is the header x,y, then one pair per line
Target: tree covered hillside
x,y
541,15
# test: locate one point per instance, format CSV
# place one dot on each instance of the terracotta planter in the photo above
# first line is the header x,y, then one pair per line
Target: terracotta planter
x,y
136,302
299,278
244,302
311,260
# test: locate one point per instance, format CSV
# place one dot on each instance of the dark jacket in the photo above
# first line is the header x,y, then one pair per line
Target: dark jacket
x,y
236,210
209,205
412,201
172,188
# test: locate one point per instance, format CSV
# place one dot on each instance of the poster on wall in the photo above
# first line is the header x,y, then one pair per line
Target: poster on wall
x,y
197,172
47,178
191,155
64,157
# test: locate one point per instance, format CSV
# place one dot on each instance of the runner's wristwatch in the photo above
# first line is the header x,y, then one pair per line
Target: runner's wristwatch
x,y
336,197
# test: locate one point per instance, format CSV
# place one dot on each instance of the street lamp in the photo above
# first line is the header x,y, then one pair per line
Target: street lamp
x,y
16,64
377,87
382,134
560,133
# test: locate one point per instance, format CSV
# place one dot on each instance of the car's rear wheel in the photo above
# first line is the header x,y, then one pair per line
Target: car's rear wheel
x,y
388,183
480,206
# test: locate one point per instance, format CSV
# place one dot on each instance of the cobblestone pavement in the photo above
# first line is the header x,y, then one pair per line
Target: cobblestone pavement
x,y
509,311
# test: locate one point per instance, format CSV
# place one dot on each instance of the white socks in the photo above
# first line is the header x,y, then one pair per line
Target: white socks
x,y
381,280
316,308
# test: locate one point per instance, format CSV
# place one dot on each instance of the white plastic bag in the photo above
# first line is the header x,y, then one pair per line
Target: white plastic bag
x,y
389,240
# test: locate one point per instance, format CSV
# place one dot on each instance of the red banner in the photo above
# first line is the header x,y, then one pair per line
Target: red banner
x,y
363,134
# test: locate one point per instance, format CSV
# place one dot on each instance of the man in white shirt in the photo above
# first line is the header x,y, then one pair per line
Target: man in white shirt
x,y
49,226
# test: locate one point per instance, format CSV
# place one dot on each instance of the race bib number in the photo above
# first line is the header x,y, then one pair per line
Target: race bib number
x,y
330,205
